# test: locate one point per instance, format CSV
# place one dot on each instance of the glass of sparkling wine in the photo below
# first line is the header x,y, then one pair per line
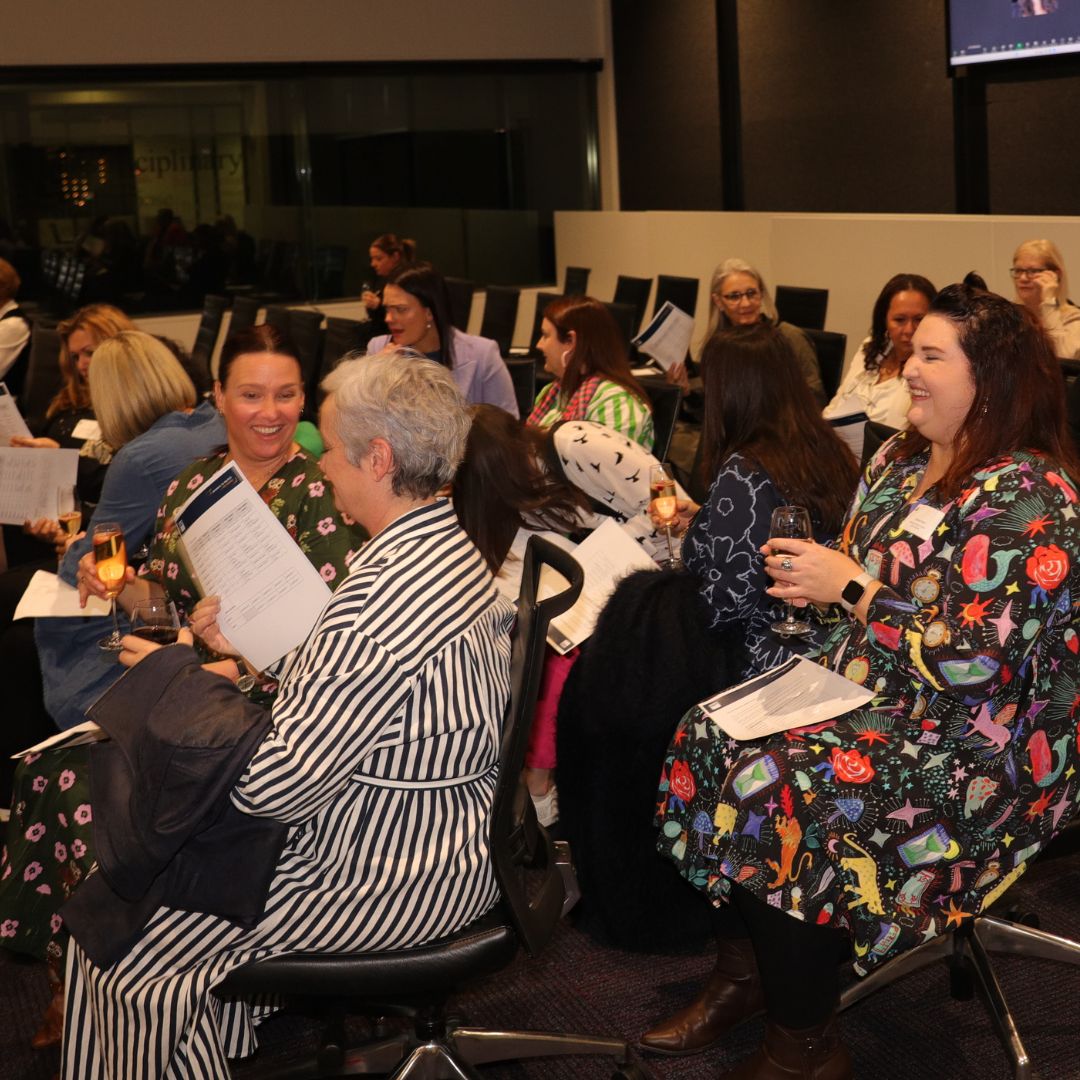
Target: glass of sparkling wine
x,y
68,510
664,499
155,620
793,522
110,561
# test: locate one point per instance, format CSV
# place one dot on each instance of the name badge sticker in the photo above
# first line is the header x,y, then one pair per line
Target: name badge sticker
x,y
922,521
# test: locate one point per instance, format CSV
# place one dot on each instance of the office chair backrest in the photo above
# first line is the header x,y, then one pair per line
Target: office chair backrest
x,y
518,843
304,330
244,310
874,436
626,318
542,301
43,377
681,291
664,398
831,349
802,307
213,311
635,292
576,281
460,292
500,316
523,375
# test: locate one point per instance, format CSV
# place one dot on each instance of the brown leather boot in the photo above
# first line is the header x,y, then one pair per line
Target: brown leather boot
x,y
788,1054
732,995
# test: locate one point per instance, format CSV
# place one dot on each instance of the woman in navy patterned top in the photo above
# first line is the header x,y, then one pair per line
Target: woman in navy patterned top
x,y
765,446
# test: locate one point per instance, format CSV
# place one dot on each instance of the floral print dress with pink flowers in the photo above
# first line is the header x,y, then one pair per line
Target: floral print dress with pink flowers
x,y
49,848
900,820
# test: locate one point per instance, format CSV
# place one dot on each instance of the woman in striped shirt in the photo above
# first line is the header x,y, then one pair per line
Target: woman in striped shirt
x,y
382,757
583,349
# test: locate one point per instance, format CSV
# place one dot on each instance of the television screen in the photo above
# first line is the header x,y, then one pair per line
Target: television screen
x,y
982,30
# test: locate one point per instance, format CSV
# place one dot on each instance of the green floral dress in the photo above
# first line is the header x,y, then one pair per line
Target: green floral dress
x,y
49,843
903,818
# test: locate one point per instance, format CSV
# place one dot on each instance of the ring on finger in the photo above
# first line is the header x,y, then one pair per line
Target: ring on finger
x,y
786,565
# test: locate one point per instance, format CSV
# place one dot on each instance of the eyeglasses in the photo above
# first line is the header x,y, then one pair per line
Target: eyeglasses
x,y
1026,271
735,297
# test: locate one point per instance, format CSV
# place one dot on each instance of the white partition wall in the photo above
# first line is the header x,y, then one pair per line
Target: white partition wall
x,y
852,255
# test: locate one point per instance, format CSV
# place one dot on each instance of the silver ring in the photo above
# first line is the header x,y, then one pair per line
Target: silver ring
x,y
785,565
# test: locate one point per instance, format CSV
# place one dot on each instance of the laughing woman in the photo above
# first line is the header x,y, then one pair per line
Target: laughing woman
x,y
957,577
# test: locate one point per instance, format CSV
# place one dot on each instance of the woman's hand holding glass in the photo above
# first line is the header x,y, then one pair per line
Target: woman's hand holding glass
x,y
134,648
685,509
806,573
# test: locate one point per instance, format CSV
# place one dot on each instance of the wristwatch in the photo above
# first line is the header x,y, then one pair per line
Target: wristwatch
x,y
853,592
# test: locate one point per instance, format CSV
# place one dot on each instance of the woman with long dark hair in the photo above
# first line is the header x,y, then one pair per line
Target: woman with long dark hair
x,y
873,384
765,445
585,353
418,317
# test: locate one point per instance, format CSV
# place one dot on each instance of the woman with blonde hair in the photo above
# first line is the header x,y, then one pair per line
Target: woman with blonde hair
x,y
740,297
1042,286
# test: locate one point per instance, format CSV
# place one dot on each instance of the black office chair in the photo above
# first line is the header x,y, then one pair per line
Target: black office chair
x,y
305,332
831,350
500,315
681,291
874,436
343,336
330,263
576,281
626,319
523,376
665,398
542,301
635,292
967,952
43,376
213,311
460,293
533,876
244,310
802,307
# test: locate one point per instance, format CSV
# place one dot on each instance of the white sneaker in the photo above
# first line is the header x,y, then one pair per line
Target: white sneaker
x,y
546,806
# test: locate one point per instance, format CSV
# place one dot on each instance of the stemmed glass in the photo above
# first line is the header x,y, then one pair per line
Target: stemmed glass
x,y
155,620
791,522
665,504
110,562
68,511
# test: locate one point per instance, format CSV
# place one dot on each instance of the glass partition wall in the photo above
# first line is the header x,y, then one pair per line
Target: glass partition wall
x,y
150,190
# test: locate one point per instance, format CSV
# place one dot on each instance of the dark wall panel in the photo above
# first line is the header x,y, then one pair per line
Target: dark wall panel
x,y
668,104
846,106
1033,151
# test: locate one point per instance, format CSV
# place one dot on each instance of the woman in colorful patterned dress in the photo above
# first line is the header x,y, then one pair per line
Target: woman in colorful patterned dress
x,y
583,350
260,396
899,820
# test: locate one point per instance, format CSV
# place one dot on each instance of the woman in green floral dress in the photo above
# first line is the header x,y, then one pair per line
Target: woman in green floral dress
x,y
49,839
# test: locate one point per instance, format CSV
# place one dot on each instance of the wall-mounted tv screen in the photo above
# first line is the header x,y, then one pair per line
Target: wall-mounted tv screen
x,y
984,30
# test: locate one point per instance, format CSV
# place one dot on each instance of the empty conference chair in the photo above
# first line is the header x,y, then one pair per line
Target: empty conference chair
x,y
831,350
576,281
681,291
635,292
460,292
500,316
802,307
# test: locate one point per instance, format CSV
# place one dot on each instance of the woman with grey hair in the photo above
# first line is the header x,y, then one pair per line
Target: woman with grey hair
x,y
381,759
740,297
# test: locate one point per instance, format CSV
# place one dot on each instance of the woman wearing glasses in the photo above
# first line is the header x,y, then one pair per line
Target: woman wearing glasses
x,y
741,298
1042,286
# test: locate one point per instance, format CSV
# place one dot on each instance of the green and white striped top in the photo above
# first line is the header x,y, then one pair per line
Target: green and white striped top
x,y
611,405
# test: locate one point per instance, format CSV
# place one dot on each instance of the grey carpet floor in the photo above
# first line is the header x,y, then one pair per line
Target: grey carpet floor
x,y
910,1031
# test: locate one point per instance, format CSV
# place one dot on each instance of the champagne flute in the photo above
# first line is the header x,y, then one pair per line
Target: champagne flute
x,y
155,620
793,522
110,562
665,504
68,511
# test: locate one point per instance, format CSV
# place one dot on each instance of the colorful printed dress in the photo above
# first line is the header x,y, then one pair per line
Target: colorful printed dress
x,y
49,843
901,819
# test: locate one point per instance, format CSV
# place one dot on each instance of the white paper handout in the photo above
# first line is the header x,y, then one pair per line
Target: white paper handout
x,y
29,479
11,420
79,735
47,596
667,338
86,429
797,693
270,593
606,556
851,426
